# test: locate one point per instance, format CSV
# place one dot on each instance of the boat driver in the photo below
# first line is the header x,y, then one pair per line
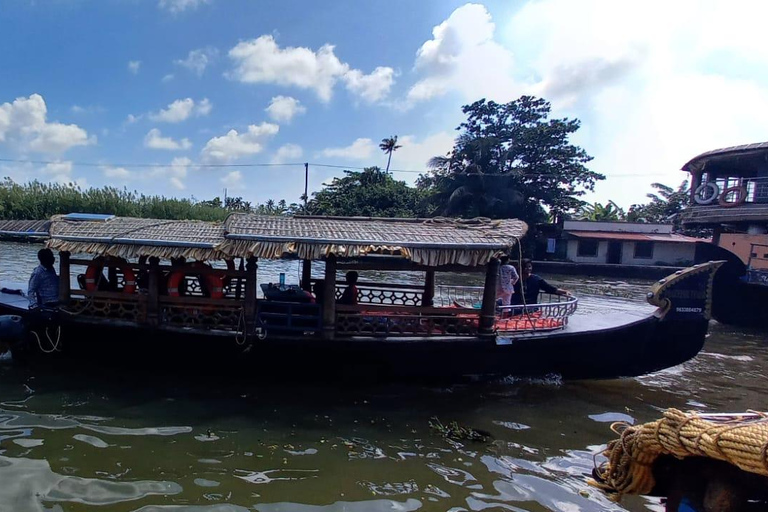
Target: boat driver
x,y
43,287
533,285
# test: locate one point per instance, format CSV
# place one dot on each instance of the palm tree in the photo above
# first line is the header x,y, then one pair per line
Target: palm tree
x,y
609,211
389,146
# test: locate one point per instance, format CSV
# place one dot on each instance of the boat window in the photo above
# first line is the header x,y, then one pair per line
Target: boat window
x,y
587,248
644,250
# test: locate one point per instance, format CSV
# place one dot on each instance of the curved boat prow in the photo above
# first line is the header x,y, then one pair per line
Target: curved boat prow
x,y
685,295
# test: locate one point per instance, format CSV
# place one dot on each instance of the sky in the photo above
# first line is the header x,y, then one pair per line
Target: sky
x,y
181,97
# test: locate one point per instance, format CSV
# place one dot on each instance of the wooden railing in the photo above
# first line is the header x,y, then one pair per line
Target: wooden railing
x,y
389,294
385,321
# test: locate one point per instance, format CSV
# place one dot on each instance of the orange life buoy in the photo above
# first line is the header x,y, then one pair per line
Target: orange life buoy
x,y
214,281
741,196
95,267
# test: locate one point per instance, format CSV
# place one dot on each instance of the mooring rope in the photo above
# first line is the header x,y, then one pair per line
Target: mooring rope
x,y
741,441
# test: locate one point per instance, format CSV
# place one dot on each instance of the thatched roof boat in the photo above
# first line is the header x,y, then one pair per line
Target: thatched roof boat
x,y
151,288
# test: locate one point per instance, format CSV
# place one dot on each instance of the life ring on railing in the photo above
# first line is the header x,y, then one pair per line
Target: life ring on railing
x,y
741,196
95,267
700,196
214,281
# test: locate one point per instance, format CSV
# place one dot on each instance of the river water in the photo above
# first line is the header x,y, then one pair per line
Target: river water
x,y
124,441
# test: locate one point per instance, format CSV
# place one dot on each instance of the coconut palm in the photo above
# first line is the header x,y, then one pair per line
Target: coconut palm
x,y
389,146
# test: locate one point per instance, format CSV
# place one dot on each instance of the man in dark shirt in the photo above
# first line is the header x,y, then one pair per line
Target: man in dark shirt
x,y
533,285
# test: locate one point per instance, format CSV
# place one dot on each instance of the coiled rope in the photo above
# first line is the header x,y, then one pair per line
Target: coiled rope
x,y
741,440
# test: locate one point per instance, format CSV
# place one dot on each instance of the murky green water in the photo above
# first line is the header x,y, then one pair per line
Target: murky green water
x,y
93,440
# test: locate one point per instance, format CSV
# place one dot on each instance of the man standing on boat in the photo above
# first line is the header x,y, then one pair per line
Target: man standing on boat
x,y
505,284
532,285
44,283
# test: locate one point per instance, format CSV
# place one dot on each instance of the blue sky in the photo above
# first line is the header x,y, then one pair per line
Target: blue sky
x,y
164,85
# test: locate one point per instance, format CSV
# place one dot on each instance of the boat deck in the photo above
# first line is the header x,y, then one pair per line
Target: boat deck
x,y
12,300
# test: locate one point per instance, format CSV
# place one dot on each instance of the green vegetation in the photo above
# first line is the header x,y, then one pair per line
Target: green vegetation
x,y
601,212
37,200
389,146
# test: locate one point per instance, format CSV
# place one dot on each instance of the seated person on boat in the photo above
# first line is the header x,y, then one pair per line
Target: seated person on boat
x,y
43,287
349,296
533,284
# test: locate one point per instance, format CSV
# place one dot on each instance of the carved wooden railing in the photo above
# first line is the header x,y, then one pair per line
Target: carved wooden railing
x,y
385,321
389,294
107,305
550,313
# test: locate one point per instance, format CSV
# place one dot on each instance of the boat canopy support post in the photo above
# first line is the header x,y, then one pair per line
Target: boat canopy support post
x,y
153,292
428,299
251,268
488,309
64,277
329,298
306,275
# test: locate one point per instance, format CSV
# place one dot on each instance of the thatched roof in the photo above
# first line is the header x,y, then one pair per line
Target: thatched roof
x,y
733,153
128,237
430,242
34,228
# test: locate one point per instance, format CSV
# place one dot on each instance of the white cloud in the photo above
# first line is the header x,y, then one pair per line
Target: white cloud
x,y
133,66
234,145
287,153
155,140
463,56
117,173
373,87
283,108
233,180
198,60
414,154
181,110
177,6
24,123
59,171
652,91
261,60
167,78
360,149
177,172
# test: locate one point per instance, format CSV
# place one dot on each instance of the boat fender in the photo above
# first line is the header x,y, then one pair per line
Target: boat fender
x,y
741,196
95,267
12,328
701,196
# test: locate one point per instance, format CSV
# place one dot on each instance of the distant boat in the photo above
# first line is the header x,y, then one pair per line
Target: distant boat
x,y
141,297
729,193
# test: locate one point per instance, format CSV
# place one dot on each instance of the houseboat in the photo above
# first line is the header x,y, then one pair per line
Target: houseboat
x,y
188,289
729,194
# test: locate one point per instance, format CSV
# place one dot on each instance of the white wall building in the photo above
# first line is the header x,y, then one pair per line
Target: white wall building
x,y
627,243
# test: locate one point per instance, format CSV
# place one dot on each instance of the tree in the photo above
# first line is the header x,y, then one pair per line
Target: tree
x,y
664,205
389,146
510,160
370,193
599,212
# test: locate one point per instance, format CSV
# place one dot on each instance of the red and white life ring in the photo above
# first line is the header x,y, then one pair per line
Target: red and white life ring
x,y
215,281
95,267
741,196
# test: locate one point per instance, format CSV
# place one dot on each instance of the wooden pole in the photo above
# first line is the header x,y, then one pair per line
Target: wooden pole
x,y
251,267
64,277
153,292
428,299
488,309
329,298
306,275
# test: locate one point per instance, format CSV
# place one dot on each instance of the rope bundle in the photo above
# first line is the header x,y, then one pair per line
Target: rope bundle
x,y
741,440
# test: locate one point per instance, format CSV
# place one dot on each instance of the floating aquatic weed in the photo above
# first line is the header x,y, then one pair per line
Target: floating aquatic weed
x,y
457,432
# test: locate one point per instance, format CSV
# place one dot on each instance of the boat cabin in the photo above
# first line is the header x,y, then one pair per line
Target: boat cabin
x,y
194,276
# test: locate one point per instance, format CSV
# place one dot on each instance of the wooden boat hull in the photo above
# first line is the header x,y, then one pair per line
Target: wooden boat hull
x,y
591,346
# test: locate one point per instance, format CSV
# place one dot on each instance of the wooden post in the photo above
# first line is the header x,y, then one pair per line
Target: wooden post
x,y
306,275
251,268
153,292
329,298
488,309
428,299
64,277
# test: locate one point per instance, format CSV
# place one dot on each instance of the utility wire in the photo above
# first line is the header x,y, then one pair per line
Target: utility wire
x,y
292,164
